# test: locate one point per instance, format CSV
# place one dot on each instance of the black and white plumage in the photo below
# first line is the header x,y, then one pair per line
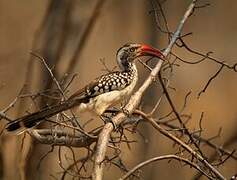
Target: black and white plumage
x,y
101,93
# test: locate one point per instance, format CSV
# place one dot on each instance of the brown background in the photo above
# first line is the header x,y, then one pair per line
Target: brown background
x,y
119,22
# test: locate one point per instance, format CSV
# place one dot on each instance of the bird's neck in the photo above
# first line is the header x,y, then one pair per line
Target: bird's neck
x,y
127,67
130,69
124,63
131,74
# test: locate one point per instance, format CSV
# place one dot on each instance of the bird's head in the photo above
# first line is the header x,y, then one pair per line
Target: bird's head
x,y
129,52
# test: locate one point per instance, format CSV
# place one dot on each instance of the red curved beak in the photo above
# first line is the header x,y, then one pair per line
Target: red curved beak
x,y
149,51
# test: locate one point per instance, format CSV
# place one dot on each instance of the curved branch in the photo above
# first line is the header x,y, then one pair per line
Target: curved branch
x,y
210,80
129,173
185,146
134,101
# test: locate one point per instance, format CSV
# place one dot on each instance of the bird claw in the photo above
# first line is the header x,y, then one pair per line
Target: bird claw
x,y
114,125
126,112
108,119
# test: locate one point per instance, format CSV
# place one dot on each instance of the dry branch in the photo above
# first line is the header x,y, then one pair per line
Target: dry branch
x,y
61,138
186,161
74,136
185,146
132,104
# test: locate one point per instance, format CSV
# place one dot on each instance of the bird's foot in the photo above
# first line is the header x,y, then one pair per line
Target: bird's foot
x,y
107,119
126,112
114,125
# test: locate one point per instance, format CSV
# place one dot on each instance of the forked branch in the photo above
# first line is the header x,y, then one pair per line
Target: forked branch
x,y
133,102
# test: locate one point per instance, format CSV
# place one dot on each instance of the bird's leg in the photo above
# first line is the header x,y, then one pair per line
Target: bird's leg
x,y
106,119
126,112
113,111
117,110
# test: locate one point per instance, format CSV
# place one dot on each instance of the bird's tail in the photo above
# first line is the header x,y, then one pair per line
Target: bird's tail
x,y
33,119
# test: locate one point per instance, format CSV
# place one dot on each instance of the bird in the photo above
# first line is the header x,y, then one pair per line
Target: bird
x,y
100,94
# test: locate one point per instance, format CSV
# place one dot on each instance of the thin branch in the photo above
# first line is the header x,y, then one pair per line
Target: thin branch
x,y
185,129
232,139
4,116
185,146
186,100
60,138
210,80
144,163
197,137
75,122
50,72
207,55
206,142
134,101
11,105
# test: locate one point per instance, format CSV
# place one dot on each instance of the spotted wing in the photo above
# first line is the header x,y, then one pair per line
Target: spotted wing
x,y
106,83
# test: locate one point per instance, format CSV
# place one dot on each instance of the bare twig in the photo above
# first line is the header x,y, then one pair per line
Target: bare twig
x,y
210,80
11,105
50,72
185,146
185,129
61,138
4,116
207,56
132,104
144,163
232,139
204,141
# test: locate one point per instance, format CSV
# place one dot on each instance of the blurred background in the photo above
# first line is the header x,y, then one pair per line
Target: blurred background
x,y
75,35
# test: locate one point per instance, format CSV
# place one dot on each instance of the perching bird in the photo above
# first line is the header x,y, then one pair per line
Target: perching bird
x,y
101,93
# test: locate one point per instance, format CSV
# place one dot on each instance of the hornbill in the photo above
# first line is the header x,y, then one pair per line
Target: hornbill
x,y
101,93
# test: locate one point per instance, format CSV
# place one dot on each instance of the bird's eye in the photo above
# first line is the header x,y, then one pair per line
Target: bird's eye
x,y
132,49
